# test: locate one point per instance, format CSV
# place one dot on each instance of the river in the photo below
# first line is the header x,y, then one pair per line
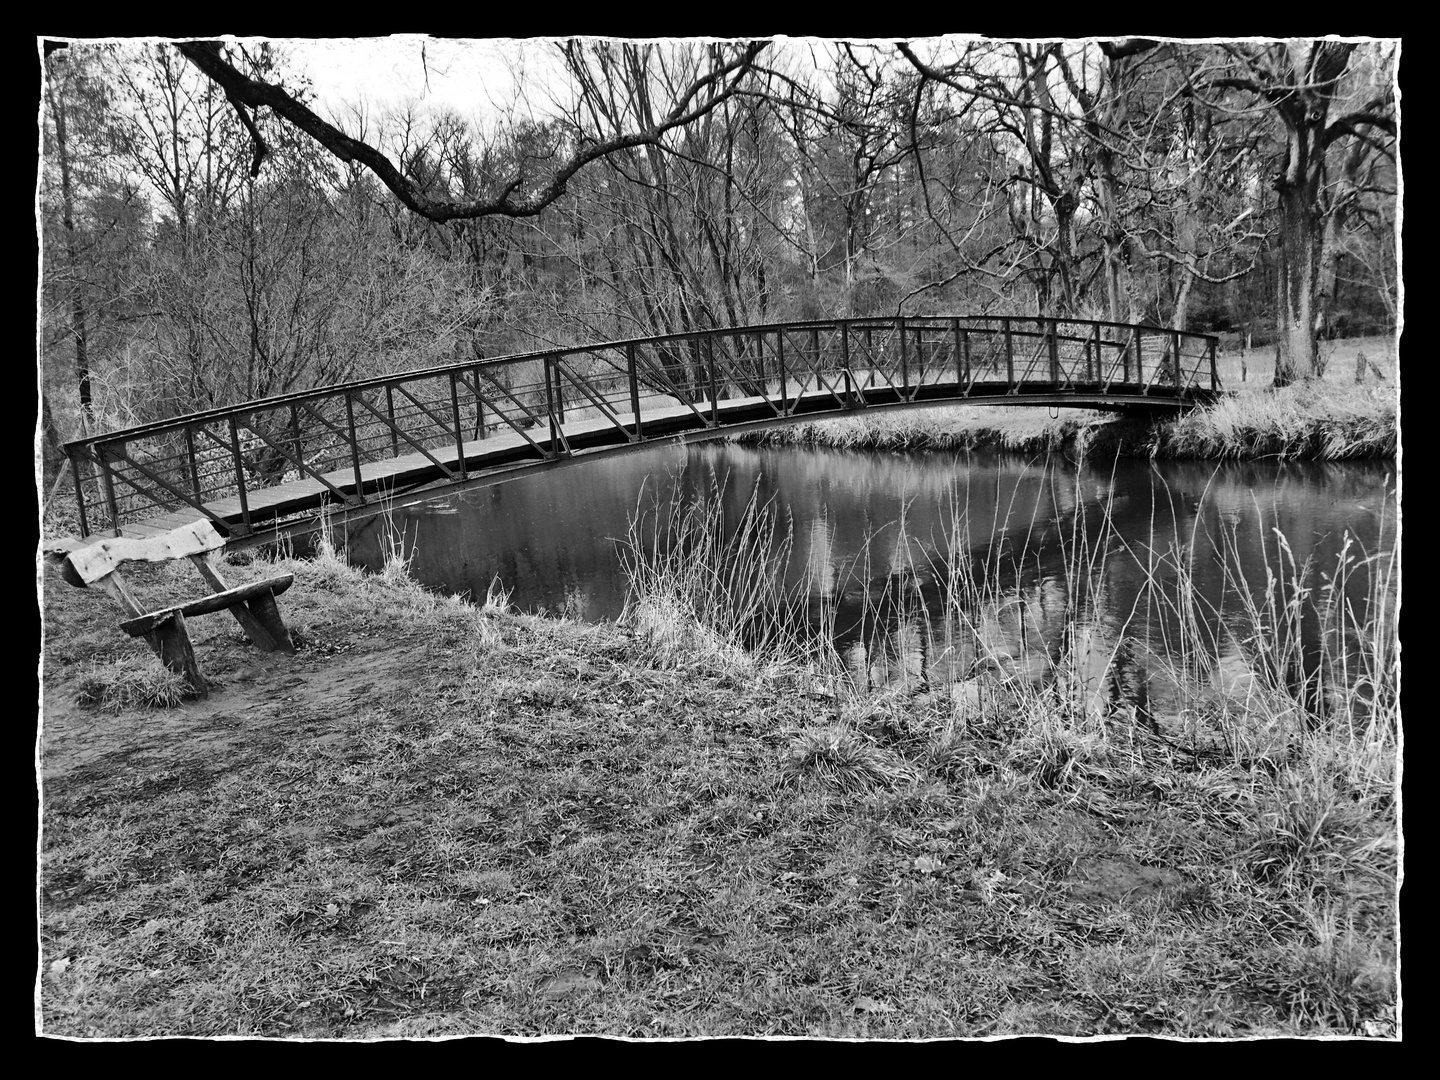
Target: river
x,y
1107,564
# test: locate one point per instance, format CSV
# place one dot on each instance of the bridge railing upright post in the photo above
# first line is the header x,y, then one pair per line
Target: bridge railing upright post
x,y
1140,363
390,412
714,390
1214,375
780,363
354,446
1053,334
190,460
904,361
634,389
547,364
479,403
455,422
845,359
1009,354
239,472
107,480
79,491
634,382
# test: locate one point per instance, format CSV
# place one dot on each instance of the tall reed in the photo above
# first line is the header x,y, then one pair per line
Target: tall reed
x,y
691,564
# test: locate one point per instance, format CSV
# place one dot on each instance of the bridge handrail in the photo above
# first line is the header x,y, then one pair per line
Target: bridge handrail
x,y
221,412
213,458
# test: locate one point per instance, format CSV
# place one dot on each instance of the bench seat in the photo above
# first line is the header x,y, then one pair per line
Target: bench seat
x,y
219,601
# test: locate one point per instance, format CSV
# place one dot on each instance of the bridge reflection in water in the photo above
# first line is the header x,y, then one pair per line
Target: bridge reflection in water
x,y
263,468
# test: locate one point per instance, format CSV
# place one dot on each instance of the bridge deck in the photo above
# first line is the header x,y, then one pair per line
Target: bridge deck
x,y
503,450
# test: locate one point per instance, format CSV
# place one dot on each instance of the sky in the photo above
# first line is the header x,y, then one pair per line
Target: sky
x,y
464,75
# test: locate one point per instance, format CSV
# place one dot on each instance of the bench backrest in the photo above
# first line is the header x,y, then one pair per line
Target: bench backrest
x,y
89,564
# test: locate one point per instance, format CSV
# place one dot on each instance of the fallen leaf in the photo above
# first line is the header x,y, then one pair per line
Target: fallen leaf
x,y
869,1004
58,967
928,864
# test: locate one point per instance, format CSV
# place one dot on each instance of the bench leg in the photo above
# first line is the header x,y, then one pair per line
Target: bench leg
x,y
171,642
264,611
254,627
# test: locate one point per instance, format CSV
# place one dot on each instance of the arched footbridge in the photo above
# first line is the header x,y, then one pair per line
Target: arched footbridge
x,y
256,470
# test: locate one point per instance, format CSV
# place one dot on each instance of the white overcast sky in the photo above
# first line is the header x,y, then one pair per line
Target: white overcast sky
x,y
466,75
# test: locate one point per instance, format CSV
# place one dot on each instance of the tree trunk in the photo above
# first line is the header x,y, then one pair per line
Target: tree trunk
x,y
67,210
1297,355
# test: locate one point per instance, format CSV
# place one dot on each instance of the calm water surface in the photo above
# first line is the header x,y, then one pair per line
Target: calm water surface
x,y
877,537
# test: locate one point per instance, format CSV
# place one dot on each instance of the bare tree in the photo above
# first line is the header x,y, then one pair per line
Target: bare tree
x,y
1299,83
523,194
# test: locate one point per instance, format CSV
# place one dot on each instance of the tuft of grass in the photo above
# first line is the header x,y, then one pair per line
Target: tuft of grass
x,y
128,684
842,758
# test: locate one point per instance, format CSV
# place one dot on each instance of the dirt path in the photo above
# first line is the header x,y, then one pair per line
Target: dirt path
x,y
257,701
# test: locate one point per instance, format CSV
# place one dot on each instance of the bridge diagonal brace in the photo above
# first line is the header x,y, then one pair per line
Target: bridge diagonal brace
x,y
669,387
811,370
441,421
535,420
1029,367
189,500
299,463
360,398
874,352
585,388
988,361
344,435
1124,350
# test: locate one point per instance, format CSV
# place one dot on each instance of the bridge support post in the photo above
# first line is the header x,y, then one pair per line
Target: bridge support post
x,y
112,505
1009,355
479,404
79,491
390,412
780,362
904,362
354,447
634,390
239,472
190,458
714,391
455,422
548,362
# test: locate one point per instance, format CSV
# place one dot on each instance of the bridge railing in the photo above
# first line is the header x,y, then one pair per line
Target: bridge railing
x,y
227,463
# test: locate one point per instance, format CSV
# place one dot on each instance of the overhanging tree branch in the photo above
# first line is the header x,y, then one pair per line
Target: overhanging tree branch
x,y
703,95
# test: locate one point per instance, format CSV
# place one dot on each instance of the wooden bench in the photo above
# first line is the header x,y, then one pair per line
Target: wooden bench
x,y
98,564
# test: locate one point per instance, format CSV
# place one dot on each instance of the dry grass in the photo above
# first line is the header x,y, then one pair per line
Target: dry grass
x,y
582,829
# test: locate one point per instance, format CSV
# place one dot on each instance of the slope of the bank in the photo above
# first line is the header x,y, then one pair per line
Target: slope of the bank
x,y
1310,420
440,819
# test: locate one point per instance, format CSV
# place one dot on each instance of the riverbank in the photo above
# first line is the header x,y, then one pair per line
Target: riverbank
x,y
1329,420
440,819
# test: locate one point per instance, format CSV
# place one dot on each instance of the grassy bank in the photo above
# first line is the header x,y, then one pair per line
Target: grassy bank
x,y
1329,419
440,818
